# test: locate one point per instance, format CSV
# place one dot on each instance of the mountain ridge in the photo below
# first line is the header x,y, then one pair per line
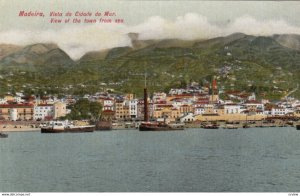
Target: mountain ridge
x,y
245,62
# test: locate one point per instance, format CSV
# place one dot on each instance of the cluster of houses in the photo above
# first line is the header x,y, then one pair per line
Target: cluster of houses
x,y
185,105
25,108
198,104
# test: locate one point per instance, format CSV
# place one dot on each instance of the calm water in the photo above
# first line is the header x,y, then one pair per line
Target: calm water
x,y
266,159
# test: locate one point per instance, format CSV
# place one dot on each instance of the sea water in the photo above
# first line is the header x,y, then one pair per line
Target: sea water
x,y
198,160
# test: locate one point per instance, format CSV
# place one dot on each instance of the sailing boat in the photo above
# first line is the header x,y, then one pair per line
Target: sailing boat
x,y
155,126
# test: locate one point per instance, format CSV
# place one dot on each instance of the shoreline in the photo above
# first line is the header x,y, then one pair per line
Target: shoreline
x,y
19,129
30,128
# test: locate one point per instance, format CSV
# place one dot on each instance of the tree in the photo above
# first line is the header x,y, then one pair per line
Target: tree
x,y
84,109
95,110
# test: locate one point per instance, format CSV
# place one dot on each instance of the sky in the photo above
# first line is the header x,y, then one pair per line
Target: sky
x,y
164,19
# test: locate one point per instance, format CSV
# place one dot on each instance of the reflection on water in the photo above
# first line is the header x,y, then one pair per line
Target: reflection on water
x,y
195,160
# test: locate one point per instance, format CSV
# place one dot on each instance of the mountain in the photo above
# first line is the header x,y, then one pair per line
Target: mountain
x,y
266,65
33,57
165,43
94,56
221,41
7,49
255,63
288,40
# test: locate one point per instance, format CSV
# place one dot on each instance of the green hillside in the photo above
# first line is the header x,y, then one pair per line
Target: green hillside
x,y
240,62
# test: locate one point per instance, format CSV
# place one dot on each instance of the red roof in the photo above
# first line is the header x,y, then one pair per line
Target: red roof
x,y
201,94
184,105
176,99
15,105
184,95
45,104
28,97
161,102
203,98
243,96
201,102
164,105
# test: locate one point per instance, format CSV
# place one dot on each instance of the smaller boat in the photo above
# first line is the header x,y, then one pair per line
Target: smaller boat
x,y
290,123
66,127
154,126
282,125
3,135
230,126
210,126
245,126
298,127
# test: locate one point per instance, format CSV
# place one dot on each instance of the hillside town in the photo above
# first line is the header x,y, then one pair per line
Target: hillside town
x,y
187,105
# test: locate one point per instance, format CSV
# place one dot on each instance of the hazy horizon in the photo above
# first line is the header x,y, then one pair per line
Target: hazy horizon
x,y
187,20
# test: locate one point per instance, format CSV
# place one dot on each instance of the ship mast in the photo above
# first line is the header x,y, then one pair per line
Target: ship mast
x,y
213,88
146,118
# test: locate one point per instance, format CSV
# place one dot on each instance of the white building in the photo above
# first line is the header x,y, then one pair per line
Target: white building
x,y
176,91
252,97
254,105
19,100
267,112
209,109
108,104
187,118
13,114
232,109
159,97
177,103
133,110
43,110
3,101
199,110
279,111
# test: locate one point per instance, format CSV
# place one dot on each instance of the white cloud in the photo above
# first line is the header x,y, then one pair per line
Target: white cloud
x,y
189,26
251,26
77,40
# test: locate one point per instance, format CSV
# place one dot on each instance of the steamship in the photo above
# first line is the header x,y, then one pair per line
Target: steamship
x,y
66,127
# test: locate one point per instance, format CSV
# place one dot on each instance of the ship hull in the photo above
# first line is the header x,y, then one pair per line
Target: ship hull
x,y
246,126
298,127
210,127
103,126
68,130
229,127
3,135
159,128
